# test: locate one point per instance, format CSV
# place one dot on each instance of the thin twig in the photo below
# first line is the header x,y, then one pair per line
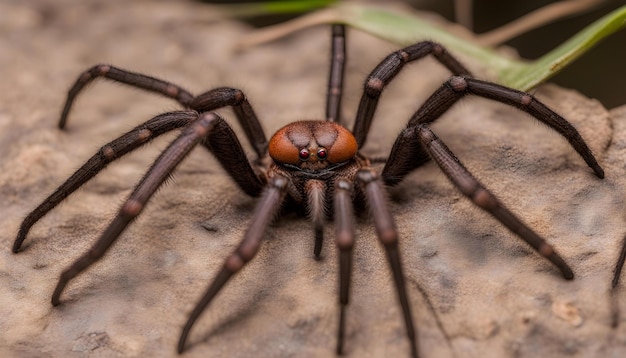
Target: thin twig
x,y
463,13
535,19
270,33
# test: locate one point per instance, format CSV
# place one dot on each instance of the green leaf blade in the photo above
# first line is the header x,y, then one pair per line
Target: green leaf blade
x,y
531,74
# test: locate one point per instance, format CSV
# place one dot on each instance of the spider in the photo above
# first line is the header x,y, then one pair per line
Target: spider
x,y
313,165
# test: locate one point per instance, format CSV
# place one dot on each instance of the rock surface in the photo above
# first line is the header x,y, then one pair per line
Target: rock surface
x,y
494,296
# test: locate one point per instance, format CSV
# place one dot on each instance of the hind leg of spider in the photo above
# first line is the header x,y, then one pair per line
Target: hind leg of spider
x,y
266,210
336,75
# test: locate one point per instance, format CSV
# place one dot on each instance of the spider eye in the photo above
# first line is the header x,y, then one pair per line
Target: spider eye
x,y
322,154
304,155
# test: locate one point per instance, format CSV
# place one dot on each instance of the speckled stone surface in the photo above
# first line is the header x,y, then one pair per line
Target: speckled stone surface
x,y
494,296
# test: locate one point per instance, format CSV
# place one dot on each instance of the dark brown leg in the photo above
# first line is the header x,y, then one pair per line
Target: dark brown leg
x,y
481,197
615,283
223,143
388,236
225,96
208,101
406,155
344,237
162,169
619,265
266,210
335,80
457,87
128,142
147,83
386,71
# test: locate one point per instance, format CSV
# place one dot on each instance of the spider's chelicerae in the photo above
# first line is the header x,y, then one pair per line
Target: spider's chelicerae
x,y
315,165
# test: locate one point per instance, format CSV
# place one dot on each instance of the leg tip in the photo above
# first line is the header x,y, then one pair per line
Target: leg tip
x,y
568,274
17,244
16,248
599,171
181,344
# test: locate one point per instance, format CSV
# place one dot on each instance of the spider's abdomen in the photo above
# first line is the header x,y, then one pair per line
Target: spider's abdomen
x,y
312,144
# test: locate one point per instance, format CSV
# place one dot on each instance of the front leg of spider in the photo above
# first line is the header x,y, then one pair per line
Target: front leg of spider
x,y
308,157
267,208
387,234
156,175
344,239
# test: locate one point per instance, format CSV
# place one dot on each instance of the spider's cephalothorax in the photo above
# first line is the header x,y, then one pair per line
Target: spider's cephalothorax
x,y
316,165
312,154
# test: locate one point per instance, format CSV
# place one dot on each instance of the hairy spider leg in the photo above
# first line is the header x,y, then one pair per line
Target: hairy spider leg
x,y
160,171
208,101
336,75
481,197
386,71
223,143
113,150
458,87
407,154
266,210
247,118
451,91
138,80
387,234
344,239
372,188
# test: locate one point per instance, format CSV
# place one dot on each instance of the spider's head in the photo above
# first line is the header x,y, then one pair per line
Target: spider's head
x,y
312,145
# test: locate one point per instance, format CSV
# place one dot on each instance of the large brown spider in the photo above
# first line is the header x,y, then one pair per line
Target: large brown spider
x,y
314,165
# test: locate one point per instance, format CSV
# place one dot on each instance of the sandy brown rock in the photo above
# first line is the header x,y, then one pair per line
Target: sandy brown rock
x,y
495,296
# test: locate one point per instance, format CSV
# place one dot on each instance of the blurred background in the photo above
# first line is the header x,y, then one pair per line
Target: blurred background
x,y
600,73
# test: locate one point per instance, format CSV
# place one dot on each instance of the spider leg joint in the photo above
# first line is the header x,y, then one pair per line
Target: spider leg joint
x,y
458,83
